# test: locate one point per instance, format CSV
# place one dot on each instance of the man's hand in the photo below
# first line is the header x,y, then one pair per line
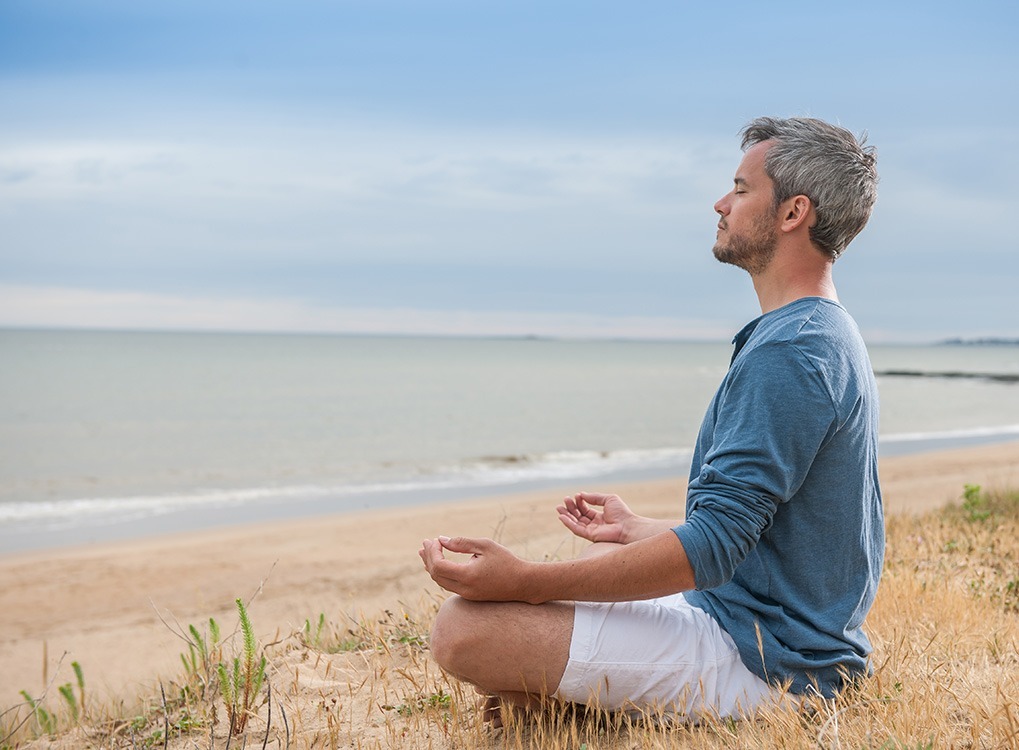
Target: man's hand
x,y
492,574
649,567
614,522
580,515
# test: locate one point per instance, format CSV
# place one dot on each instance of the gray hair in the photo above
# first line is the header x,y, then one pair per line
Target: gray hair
x,y
826,163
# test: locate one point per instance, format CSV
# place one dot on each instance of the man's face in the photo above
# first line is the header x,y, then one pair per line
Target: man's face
x,y
748,228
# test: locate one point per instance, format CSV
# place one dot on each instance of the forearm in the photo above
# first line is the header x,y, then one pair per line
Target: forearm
x,y
653,566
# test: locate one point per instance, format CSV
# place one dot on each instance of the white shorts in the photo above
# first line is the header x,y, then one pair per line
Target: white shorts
x,y
659,654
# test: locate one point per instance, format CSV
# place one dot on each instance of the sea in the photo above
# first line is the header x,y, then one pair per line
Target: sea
x,y
110,435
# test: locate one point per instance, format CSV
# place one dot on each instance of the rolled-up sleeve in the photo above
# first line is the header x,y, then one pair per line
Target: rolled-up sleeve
x,y
769,420
724,524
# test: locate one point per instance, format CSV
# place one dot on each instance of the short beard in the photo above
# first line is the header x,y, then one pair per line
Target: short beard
x,y
751,252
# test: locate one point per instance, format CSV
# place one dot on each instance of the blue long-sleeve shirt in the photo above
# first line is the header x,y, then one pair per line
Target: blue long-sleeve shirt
x,y
784,526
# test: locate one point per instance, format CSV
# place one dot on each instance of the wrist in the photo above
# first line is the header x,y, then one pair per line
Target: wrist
x,y
634,530
642,527
544,581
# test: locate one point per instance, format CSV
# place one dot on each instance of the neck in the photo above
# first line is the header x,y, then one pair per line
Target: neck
x,y
793,275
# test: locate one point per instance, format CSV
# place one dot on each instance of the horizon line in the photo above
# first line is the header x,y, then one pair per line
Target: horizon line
x,y
475,335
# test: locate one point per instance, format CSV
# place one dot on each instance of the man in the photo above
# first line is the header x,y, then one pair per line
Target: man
x,y
764,587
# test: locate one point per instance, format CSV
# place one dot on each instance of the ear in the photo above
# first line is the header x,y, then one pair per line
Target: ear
x,y
796,212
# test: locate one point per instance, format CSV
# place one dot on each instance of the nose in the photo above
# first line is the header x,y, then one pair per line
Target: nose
x,y
722,205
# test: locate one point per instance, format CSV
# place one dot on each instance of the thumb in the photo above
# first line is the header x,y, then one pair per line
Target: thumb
x,y
463,544
593,498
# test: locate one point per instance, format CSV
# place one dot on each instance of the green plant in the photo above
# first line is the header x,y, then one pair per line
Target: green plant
x,y
975,503
47,721
240,688
67,693
75,704
79,677
405,631
202,656
314,639
439,699
353,642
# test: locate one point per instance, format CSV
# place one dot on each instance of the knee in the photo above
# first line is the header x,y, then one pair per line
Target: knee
x,y
451,639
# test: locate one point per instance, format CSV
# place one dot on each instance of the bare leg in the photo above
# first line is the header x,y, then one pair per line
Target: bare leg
x,y
493,706
514,650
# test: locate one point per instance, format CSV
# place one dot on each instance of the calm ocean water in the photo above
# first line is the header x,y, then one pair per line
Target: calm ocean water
x,y
107,434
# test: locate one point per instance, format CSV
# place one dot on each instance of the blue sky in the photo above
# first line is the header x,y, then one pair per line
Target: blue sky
x,y
485,167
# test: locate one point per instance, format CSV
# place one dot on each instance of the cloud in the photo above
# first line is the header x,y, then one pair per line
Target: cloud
x,y
352,194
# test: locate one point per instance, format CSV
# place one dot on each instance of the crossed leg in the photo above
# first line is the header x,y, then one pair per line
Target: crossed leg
x,y
512,650
515,651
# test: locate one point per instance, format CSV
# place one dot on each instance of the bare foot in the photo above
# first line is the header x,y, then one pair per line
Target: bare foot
x,y
491,710
495,710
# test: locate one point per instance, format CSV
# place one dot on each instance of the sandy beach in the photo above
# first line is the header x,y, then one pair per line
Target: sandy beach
x,y
104,606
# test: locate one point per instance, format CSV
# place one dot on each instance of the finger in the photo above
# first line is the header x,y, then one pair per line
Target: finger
x,y
574,525
465,545
580,509
575,517
569,506
444,572
568,521
452,585
431,553
594,498
583,509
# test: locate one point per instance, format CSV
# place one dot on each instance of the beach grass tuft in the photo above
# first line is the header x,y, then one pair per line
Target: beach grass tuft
x,y
241,683
945,629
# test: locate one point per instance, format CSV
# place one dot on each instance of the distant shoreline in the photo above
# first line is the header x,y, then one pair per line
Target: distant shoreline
x,y
999,377
989,341
456,335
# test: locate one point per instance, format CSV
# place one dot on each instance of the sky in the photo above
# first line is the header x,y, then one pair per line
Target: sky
x,y
480,168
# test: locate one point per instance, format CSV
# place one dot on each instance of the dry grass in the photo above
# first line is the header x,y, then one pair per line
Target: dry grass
x,y
946,674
